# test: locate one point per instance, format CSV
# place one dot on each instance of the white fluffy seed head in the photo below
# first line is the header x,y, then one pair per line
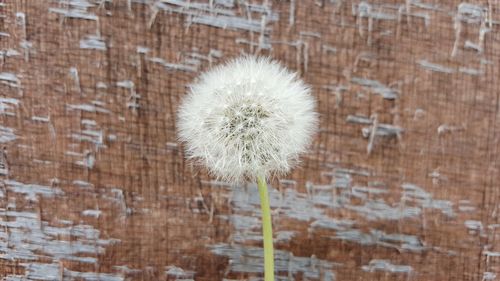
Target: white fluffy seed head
x,y
250,117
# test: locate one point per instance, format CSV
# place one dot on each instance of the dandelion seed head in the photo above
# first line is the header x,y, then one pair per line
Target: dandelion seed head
x,y
250,117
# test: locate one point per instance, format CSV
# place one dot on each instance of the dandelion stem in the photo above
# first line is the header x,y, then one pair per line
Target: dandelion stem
x,y
267,230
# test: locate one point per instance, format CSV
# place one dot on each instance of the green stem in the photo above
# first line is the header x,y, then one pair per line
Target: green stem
x,y
267,230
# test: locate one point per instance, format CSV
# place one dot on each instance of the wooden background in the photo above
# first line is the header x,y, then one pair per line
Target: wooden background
x,y
401,182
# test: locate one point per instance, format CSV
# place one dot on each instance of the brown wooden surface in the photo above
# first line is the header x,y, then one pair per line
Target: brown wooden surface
x,y
94,186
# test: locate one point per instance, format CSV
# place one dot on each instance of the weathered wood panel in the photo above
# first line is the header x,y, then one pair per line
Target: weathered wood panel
x,y
400,184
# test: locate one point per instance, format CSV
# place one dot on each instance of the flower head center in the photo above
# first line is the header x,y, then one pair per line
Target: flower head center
x,y
243,120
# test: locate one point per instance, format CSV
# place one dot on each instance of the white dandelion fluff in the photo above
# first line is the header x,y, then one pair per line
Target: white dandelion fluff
x,y
246,119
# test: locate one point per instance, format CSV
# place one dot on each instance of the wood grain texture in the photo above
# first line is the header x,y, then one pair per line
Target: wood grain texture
x,y
401,183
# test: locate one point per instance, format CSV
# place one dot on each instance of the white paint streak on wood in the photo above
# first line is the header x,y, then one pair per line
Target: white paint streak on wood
x,y
93,42
248,259
174,66
77,9
7,105
179,273
291,17
24,235
7,134
312,208
10,79
387,266
376,87
87,108
32,191
435,67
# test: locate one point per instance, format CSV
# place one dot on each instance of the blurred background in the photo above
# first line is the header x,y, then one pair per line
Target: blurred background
x,y
401,182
